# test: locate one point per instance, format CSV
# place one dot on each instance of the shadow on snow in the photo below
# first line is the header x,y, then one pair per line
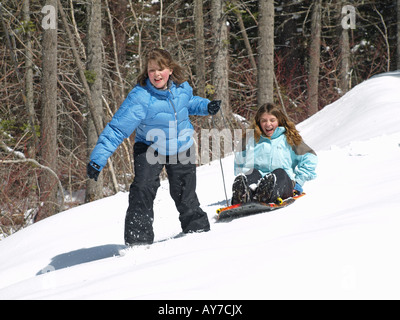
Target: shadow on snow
x,y
84,255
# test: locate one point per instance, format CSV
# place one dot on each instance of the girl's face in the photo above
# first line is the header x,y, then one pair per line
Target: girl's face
x,y
158,78
268,124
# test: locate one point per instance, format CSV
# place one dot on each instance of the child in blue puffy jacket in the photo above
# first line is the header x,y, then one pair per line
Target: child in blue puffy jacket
x,y
275,162
158,108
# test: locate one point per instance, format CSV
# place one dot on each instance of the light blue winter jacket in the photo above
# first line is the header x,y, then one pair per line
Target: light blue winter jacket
x,y
160,118
267,155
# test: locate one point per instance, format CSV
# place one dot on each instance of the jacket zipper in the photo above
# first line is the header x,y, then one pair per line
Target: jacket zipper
x,y
176,116
173,107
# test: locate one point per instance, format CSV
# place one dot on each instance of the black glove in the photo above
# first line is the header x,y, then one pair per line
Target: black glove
x,y
214,106
93,170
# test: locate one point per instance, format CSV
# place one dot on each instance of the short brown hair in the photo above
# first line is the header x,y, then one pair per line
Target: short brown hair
x,y
164,60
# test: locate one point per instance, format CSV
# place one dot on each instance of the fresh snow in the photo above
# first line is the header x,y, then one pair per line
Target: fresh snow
x,y
339,242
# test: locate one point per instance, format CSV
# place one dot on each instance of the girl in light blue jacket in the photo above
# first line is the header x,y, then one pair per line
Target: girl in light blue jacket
x,y
275,162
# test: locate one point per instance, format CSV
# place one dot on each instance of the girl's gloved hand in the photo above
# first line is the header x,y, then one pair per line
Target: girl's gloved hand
x,y
214,106
93,170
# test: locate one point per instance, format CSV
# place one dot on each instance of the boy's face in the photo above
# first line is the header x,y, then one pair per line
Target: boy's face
x,y
158,78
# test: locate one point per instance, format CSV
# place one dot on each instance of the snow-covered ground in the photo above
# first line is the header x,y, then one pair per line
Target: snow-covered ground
x,y
341,241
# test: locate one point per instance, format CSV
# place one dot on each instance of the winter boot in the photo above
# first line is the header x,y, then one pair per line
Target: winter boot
x,y
266,188
241,192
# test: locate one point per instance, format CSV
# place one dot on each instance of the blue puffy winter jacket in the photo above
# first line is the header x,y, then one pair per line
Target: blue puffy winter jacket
x,y
160,118
299,162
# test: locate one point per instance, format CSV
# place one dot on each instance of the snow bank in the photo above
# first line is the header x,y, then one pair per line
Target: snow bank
x,y
369,110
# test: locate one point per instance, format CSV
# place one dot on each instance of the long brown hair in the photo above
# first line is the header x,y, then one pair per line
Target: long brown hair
x,y
164,60
293,136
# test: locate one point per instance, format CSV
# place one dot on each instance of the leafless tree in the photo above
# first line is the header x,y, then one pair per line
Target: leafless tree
x,y
344,45
200,43
48,135
266,52
94,190
315,58
221,58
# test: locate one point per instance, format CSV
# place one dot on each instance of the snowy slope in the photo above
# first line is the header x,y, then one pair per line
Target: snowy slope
x,y
340,241
369,110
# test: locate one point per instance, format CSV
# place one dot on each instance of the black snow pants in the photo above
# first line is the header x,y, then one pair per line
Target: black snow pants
x,y
282,189
182,180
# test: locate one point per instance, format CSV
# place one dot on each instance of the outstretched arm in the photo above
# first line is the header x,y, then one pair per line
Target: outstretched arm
x,y
123,124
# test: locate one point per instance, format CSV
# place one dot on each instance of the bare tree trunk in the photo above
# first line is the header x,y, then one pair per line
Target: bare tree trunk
x,y
139,30
97,124
94,190
116,11
160,22
245,36
28,61
315,57
344,83
47,182
200,59
221,74
266,52
29,78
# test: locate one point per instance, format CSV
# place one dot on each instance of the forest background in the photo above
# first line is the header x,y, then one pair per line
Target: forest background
x,y
67,65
